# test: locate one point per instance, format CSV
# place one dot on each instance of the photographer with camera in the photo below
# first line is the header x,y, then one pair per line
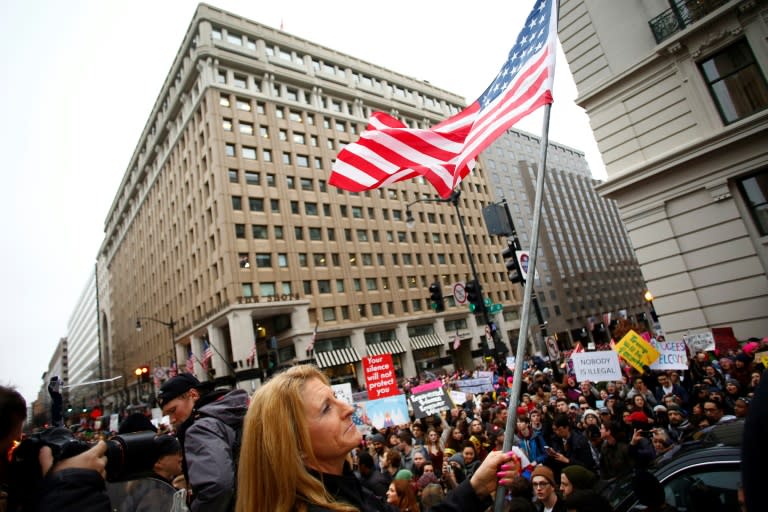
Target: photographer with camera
x,y
35,478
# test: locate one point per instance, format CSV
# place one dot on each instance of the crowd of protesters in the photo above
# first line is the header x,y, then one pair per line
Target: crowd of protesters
x,y
570,438
576,437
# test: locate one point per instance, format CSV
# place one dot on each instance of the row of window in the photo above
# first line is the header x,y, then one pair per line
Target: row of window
x,y
318,65
296,116
250,153
265,260
247,128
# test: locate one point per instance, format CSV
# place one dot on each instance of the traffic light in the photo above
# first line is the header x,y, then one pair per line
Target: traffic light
x,y
510,261
436,296
474,296
272,360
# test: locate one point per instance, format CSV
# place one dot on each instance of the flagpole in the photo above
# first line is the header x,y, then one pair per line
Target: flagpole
x,y
514,398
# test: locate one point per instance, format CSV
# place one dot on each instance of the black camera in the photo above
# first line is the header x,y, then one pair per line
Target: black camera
x,y
129,457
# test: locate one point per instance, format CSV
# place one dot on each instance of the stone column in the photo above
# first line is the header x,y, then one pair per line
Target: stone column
x,y
216,339
242,336
409,366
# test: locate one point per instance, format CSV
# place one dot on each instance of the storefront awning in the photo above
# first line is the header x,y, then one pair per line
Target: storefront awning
x,y
385,347
336,357
426,341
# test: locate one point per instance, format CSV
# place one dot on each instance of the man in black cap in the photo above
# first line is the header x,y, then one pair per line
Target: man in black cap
x,y
209,427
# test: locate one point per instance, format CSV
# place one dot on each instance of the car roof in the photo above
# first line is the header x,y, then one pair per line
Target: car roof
x,y
720,444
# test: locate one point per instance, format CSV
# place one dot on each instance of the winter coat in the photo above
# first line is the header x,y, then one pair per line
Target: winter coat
x,y
208,438
347,488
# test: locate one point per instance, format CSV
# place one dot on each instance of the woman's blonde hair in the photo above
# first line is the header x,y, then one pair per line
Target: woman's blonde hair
x,y
272,475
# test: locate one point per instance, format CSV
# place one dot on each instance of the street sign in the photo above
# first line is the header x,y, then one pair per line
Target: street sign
x,y
552,348
459,293
524,257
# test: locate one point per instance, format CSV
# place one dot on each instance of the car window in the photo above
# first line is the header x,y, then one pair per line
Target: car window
x,y
704,488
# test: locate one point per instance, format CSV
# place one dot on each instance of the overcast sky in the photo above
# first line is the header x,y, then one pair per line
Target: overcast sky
x,y
79,81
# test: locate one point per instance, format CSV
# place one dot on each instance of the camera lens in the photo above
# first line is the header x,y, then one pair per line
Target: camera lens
x,y
130,456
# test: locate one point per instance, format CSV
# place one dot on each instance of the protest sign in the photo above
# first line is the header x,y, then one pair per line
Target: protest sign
x,y
637,352
380,376
700,342
429,386
482,385
762,357
600,366
388,412
430,402
672,356
458,397
343,392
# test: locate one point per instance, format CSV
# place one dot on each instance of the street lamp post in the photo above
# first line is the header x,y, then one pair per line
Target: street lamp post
x,y
170,324
648,296
454,200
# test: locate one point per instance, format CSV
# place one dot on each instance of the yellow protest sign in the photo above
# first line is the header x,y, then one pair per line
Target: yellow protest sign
x,y
762,357
636,351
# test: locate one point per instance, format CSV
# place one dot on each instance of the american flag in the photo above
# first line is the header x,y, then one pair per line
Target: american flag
x,y
173,370
191,362
388,151
207,355
251,359
312,341
578,348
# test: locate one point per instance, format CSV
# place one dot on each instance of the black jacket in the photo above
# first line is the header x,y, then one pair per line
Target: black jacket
x,y
347,488
80,490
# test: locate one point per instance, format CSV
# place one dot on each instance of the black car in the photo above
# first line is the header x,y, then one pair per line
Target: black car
x,y
707,470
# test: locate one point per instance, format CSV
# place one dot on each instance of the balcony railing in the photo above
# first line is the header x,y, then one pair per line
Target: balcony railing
x,y
683,13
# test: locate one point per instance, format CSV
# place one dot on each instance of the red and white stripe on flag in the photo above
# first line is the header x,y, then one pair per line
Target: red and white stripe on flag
x,y
388,151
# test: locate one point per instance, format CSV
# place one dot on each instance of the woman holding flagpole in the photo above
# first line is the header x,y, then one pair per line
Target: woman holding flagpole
x,y
296,439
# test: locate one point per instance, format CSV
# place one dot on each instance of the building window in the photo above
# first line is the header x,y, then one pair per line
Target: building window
x,y
240,230
329,314
252,178
755,191
282,260
267,155
323,286
263,260
237,203
229,149
233,178
244,105
302,160
249,153
224,100
245,128
271,182
306,183
226,124
256,204
315,234
259,232
735,82
245,262
247,290
267,289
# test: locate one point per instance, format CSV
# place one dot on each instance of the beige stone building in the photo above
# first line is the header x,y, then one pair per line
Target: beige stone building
x,y
224,232
677,98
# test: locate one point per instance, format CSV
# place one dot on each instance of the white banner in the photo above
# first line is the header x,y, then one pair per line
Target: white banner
x,y
700,342
600,366
672,356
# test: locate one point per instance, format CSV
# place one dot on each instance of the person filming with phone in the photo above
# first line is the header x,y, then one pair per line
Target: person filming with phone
x,y
570,447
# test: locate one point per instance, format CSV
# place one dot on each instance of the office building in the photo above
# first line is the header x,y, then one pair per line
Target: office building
x,y
677,97
588,276
225,238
